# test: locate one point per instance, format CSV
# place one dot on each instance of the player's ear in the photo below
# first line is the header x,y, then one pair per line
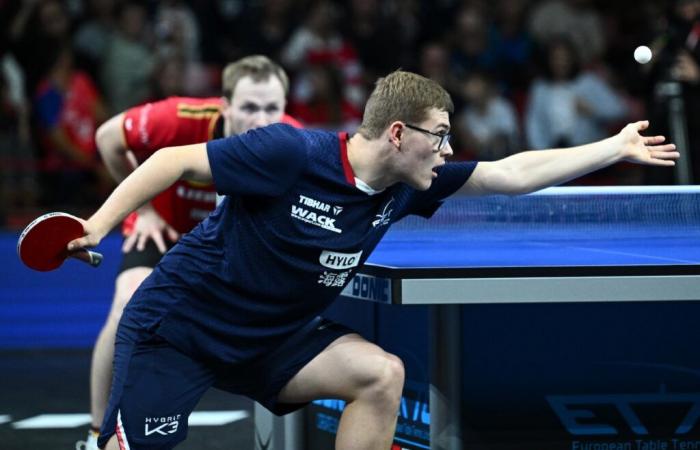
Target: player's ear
x,y
395,133
226,107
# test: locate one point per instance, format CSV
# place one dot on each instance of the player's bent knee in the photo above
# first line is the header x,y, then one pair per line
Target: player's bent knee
x,y
394,373
385,380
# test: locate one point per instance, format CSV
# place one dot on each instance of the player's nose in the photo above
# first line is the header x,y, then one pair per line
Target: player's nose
x,y
447,150
261,119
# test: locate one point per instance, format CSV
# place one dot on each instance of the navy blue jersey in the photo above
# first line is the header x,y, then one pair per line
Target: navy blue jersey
x,y
290,234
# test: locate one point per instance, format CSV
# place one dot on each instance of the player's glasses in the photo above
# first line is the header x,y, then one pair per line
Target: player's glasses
x,y
444,137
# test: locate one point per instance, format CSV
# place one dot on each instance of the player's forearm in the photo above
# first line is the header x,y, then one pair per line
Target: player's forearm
x,y
155,175
110,143
537,169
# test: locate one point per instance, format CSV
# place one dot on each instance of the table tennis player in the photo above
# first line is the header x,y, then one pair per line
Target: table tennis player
x,y
254,95
235,303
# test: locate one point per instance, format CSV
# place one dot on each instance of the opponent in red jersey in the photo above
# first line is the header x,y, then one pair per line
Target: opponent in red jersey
x,y
254,95
180,121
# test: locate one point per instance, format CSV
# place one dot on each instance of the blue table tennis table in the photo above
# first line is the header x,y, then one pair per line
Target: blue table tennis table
x,y
576,244
560,244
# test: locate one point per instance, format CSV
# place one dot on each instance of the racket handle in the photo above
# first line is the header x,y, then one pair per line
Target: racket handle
x,y
88,257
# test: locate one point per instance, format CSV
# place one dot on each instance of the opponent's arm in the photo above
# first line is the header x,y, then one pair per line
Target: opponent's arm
x,y
532,170
156,174
120,162
112,146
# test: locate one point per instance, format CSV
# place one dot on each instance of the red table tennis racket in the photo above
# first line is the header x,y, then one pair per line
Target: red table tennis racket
x,y
42,244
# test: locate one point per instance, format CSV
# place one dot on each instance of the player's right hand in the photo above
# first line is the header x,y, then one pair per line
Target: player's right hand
x,y
92,236
149,225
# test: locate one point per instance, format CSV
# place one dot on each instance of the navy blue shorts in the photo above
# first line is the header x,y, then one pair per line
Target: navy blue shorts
x,y
155,387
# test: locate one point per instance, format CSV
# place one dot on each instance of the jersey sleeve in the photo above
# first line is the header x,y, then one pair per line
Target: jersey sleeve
x,y
264,161
451,177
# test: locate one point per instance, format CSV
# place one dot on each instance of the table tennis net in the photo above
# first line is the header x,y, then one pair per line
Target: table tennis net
x,y
659,209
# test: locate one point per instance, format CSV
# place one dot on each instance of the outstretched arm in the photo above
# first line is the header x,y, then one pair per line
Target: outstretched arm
x,y
155,175
533,170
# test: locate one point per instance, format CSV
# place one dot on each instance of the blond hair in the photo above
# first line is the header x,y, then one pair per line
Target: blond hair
x,y
403,96
258,67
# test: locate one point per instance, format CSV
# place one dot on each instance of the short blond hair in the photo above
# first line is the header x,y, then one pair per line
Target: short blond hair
x,y
403,96
258,67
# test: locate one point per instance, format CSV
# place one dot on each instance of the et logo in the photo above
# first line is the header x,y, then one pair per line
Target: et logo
x,y
576,412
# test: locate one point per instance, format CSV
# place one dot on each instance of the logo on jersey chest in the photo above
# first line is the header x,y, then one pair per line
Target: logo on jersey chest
x,y
337,260
384,217
316,213
313,203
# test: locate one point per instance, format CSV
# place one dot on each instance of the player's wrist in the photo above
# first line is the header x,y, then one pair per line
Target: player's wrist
x,y
97,227
618,147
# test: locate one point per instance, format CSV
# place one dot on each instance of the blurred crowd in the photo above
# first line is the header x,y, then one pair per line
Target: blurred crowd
x,y
524,74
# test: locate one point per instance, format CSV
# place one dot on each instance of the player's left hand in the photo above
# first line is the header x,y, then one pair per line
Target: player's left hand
x,y
650,150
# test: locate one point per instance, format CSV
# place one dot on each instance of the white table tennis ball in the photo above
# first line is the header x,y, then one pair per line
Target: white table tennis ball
x,y
642,54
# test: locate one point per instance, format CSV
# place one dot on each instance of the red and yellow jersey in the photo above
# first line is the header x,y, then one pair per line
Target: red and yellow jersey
x,y
168,123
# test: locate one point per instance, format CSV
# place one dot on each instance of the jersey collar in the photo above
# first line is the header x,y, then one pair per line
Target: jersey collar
x,y
347,168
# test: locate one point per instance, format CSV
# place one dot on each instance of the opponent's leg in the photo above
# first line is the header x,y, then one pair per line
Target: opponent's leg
x,y
113,444
102,355
361,373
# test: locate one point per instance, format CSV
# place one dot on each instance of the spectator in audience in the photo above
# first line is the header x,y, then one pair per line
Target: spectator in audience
x,y
324,105
39,28
471,49
93,37
411,27
178,44
366,27
487,126
675,74
513,47
69,109
129,61
434,63
568,106
18,184
578,20
272,23
169,78
318,41
177,30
